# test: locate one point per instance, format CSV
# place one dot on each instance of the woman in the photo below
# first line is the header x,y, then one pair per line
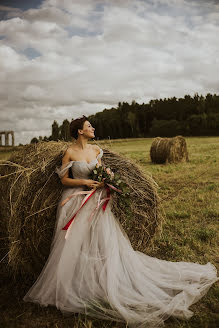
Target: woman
x,y
92,267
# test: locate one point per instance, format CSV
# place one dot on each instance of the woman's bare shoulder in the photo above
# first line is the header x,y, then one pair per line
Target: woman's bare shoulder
x,y
71,148
71,152
96,148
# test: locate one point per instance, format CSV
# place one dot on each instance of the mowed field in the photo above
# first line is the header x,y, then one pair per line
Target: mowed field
x,y
189,193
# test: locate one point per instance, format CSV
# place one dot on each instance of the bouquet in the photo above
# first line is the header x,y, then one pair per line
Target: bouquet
x,y
114,184
107,177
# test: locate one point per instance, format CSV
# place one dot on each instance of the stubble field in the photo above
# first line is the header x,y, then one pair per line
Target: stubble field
x,y
189,193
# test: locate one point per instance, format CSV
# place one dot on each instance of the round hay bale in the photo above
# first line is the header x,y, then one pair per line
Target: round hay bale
x,y
169,150
32,192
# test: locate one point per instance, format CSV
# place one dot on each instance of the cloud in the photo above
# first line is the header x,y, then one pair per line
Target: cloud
x,y
7,9
8,12
65,59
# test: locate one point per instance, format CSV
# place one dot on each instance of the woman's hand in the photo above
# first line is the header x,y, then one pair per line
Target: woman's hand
x,y
93,184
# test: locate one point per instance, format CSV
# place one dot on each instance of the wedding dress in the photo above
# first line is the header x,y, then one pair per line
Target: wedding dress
x,y
96,271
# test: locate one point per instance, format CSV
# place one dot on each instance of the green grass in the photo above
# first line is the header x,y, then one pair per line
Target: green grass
x,y
5,151
189,193
4,155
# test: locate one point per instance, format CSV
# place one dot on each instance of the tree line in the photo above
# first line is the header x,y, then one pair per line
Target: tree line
x,y
188,116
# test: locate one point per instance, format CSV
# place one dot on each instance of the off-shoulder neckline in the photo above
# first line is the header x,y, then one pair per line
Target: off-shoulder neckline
x,y
94,160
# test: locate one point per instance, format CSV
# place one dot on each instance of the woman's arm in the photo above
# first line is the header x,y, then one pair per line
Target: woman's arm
x,y
97,149
65,179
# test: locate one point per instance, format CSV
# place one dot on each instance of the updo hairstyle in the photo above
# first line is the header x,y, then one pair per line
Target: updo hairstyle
x,y
76,125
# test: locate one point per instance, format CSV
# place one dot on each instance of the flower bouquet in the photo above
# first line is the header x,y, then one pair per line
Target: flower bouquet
x,y
114,185
108,179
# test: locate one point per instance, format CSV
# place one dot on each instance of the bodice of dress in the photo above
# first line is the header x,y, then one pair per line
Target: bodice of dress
x,y
80,169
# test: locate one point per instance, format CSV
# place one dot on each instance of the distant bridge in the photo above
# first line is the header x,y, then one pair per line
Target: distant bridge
x,y
6,134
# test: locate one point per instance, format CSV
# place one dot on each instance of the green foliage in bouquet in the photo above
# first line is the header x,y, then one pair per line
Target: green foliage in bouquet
x,y
105,175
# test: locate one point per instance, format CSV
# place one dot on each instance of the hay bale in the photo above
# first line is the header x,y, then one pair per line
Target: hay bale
x,y
169,150
30,191
33,189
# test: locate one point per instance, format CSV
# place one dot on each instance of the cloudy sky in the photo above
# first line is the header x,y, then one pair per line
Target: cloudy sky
x,y
63,58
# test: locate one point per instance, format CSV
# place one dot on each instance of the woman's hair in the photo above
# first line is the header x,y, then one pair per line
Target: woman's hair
x,y
76,124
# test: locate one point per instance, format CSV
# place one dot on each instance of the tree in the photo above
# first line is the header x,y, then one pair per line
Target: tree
x,y
34,140
132,119
64,131
187,116
55,131
164,128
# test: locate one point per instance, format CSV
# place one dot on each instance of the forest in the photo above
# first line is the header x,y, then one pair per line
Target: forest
x,y
188,116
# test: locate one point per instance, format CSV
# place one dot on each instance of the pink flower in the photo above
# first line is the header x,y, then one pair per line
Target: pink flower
x,y
108,171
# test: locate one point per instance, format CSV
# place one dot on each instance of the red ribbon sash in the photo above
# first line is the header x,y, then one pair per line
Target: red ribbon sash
x,y
84,202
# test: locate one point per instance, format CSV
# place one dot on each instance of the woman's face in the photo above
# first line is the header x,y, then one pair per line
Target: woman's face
x,y
88,130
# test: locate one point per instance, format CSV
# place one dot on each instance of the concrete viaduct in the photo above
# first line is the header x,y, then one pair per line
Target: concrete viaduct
x,y
6,134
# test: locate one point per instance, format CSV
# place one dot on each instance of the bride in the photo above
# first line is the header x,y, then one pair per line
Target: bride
x,y
92,267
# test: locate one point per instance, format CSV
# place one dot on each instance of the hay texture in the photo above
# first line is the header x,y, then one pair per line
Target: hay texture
x,y
169,150
30,191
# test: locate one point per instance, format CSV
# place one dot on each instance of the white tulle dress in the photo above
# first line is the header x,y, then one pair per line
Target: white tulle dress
x,y
96,271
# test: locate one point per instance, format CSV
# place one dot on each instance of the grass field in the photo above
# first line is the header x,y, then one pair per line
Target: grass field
x,y
189,193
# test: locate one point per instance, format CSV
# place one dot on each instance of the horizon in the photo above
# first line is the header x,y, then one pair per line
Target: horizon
x,y
61,61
